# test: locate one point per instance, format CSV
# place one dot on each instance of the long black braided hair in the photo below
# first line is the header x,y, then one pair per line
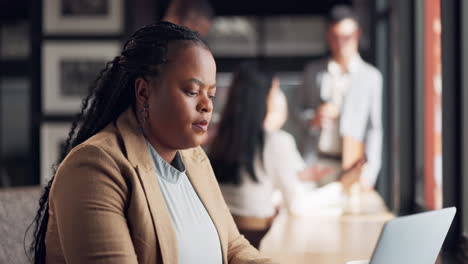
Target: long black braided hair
x,y
110,95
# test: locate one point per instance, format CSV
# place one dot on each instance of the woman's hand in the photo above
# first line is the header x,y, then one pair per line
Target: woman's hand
x,y
315,172
352,174
325,112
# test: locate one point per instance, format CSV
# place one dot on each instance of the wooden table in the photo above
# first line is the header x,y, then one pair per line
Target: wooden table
x,y
328,237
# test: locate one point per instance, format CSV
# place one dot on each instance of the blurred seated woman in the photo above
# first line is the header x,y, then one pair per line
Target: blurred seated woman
x,y
133,185
252,157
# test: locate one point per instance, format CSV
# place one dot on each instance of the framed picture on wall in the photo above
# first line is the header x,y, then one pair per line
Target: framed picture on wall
x,y
295,36
83,16
233,37
53,138
68,70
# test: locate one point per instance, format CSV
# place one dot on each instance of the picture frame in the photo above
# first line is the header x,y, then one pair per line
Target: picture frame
x,y
295,36
233,36
68,70
83,17
52,140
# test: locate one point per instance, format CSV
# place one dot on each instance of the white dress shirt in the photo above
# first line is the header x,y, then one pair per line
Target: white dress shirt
x,y
361,107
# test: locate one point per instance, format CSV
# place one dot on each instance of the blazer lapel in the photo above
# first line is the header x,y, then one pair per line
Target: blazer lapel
x,y
200,175
161,219
139,157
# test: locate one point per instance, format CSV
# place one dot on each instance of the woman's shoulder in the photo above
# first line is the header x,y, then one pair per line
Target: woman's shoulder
x,y
93,171
108,139
196,154
279,143
102,148
278,137
98,161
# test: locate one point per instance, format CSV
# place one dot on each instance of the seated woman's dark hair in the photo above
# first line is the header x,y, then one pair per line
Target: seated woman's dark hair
x,y
109,96
241,135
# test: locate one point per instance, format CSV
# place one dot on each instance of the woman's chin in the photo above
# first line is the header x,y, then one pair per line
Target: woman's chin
x,y
195,141
202,139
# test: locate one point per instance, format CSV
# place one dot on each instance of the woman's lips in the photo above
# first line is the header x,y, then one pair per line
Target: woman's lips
x,y
201,126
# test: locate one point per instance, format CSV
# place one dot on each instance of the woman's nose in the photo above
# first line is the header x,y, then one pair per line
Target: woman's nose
x,y
205,104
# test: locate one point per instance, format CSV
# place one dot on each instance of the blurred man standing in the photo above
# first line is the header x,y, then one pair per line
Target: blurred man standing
x,y
341,102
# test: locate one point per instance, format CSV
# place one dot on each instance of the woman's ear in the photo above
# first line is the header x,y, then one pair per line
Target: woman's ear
x,y
142,91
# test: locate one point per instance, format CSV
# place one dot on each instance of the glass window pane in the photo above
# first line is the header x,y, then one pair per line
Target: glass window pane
x,y
15,132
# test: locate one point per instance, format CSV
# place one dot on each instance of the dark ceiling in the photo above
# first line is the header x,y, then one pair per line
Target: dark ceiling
x,y
266,7
18,9
271,7
14,9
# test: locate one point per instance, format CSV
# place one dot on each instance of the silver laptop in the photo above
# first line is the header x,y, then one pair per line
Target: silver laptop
x,y
413,239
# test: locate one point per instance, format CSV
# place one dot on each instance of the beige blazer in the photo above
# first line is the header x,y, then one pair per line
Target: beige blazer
x,y
106,206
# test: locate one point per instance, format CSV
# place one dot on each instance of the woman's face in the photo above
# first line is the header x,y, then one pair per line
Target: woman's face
x,y
180,99
277,108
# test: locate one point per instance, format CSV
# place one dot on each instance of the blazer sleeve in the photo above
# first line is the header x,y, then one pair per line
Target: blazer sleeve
x,y
239,250
88,199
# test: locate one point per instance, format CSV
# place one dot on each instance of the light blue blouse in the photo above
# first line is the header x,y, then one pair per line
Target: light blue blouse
x,y
197,237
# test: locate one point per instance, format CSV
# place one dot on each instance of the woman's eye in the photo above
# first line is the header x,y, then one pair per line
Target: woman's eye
x,y
190,93
212,97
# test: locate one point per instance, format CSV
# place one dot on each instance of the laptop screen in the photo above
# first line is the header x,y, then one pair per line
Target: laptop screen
x,y
413,239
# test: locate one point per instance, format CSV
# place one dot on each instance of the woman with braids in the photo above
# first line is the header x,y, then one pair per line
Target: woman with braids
x,y
252,158
133,185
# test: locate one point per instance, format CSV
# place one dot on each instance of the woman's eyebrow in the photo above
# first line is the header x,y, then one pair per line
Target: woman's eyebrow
x,y
200,83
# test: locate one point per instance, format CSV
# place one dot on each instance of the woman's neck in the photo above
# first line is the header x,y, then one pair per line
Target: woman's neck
x,y
167,153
